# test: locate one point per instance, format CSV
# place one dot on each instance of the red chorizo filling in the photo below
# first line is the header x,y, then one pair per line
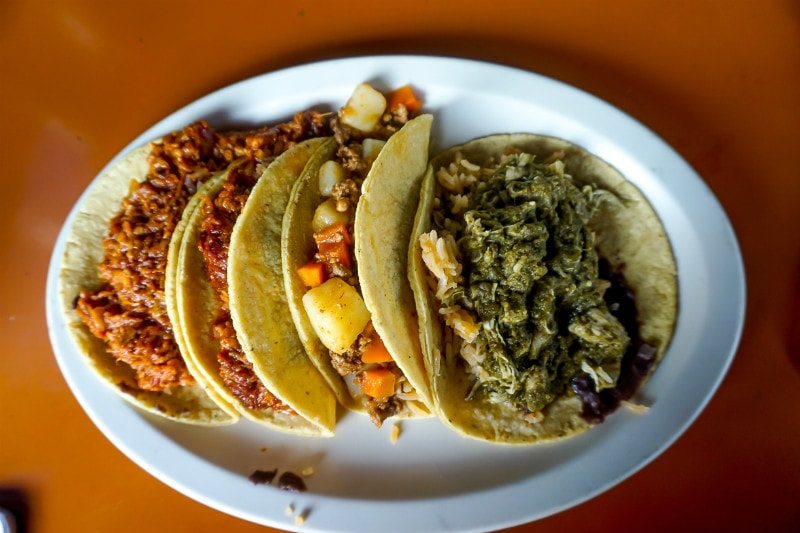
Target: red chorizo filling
x,y
220,214
128,312
365,360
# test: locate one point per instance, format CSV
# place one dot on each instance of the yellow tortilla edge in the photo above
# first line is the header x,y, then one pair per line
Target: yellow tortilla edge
x,y
382,231
191,303
258,302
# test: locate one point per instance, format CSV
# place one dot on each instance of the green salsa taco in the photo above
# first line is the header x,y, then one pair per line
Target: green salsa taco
x,y
545,286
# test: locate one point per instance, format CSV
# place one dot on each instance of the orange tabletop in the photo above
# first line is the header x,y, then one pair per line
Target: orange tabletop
x,y
719,81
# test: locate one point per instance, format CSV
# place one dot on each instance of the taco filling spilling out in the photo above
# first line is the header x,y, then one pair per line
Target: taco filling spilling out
x,y
333,301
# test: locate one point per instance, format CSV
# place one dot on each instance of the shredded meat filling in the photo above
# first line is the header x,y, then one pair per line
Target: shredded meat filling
x,y
128,312
219,216
134,339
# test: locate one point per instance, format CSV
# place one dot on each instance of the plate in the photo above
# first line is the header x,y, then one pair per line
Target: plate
x,y
432,479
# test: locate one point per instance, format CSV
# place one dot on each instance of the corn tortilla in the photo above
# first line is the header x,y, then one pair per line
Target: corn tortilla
x,y
629,236
79,270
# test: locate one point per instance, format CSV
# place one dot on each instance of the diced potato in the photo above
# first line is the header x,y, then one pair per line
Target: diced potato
x,y
370,149
364,108
327,215
337,313
330,173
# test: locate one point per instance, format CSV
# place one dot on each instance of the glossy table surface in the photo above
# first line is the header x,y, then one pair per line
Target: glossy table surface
x,y
719,81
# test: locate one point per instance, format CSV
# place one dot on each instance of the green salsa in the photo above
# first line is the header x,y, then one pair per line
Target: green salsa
x,y
530,277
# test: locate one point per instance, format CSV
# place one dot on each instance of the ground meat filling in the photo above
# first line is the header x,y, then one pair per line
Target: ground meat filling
x,y
128,312
349,361
346,194
220,215
379,409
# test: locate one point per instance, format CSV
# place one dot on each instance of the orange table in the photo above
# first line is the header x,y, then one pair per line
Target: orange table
x,y
720,81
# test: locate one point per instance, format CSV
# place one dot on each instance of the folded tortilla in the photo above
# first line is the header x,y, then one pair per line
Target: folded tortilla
x,y
629,236
382,229
83,253
257,305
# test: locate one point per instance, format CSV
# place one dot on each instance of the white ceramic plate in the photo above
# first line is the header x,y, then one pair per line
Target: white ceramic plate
x,y
432,479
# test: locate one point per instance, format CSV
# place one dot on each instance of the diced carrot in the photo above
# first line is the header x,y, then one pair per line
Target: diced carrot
x,y
334,233
376,352
405,95
336,251
312,274
377,382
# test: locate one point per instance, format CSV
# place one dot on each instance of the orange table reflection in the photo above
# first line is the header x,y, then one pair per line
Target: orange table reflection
x,y
718,80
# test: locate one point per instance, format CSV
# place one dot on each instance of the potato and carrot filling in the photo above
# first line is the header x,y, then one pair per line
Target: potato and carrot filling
x,y
333,302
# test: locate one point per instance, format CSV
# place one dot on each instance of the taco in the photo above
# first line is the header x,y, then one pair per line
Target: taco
x,y
545,286
344,217
114,269
228,306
